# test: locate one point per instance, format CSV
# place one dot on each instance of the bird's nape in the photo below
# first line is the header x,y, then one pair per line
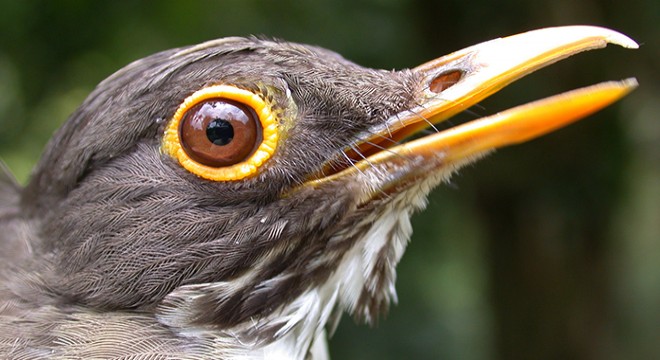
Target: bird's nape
x,y
232,199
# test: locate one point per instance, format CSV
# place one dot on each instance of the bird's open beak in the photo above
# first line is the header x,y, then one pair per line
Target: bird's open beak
x,y
457,81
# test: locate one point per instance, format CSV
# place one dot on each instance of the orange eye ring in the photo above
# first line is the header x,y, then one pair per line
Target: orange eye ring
x,y
172,144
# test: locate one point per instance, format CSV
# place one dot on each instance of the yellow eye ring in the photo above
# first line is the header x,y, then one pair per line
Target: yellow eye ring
x,y
172,142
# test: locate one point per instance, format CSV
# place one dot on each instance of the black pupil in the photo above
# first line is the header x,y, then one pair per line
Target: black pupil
x,y
220,132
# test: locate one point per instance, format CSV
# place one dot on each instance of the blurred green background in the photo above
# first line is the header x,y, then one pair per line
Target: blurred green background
x,y
546,250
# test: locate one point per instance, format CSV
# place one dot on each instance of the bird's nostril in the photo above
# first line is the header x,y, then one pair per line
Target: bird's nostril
x,y
445,80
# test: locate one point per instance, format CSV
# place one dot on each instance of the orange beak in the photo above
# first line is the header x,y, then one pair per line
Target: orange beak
x,y
457,81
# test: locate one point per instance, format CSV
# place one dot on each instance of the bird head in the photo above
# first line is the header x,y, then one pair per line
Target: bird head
x,y
249,185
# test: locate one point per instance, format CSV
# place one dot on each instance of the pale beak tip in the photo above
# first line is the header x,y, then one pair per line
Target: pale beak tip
x,y
630,83
605,35
621,40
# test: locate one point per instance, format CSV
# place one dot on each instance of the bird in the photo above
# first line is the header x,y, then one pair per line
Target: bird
x,y
232,199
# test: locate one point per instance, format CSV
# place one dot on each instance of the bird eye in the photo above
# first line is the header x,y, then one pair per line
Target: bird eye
x,y
219,132
222,133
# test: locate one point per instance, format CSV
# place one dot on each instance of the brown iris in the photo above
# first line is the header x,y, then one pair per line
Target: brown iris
x,y
220,132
